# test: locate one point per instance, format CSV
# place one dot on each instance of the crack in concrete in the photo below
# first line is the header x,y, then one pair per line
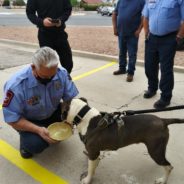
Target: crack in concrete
x,y
130,101
122,106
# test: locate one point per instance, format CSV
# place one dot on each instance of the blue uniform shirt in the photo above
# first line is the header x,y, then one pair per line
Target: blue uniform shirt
x,y
164,16
128,16
28,98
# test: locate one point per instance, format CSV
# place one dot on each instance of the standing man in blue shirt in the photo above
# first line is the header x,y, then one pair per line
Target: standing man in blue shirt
x,y
32,100
127,25
164,27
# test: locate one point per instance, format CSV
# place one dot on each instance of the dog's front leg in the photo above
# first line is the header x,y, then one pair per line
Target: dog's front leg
x,y
164,179
92,164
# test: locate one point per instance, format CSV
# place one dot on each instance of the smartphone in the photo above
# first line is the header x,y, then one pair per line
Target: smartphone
x,y
55,21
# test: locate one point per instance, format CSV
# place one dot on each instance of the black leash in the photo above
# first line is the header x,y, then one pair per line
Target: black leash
x,y
132,112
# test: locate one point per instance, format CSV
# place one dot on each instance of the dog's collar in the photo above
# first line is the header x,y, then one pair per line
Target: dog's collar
x,y
81,114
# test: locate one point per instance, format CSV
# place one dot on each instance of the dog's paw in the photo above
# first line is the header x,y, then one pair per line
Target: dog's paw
x,y
85,179
83,175
160,181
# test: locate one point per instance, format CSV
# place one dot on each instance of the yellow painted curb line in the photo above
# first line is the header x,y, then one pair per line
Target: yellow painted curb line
x,y
29,166
94,71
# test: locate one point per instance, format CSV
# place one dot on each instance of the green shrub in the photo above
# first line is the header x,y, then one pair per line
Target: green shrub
x,y
92,7
74,3
105,4
18,3
6,3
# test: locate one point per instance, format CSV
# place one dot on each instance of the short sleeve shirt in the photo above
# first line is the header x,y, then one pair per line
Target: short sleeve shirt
x,y
26,97
128,15
164,16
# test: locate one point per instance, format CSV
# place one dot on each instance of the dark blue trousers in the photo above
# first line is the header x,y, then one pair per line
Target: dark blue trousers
x,y
160,50
32,142
127,44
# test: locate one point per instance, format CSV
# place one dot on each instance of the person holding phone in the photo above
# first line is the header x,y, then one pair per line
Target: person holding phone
x,y
50,17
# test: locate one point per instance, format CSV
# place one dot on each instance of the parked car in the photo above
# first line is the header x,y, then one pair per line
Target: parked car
x,y
99,9
107,10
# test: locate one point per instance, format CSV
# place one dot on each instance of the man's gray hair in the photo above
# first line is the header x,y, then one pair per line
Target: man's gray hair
x,y
45,56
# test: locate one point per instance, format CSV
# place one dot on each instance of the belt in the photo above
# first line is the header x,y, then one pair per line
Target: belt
x,y
169,34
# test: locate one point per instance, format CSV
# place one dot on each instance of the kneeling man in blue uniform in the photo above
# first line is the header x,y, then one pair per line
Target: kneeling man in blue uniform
x,y
32,100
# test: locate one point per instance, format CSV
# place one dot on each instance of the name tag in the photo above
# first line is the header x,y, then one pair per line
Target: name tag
x,y
33,100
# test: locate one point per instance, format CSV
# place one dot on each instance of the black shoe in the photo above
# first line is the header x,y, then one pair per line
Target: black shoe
x,y
119,72
160,104
25,154
149,94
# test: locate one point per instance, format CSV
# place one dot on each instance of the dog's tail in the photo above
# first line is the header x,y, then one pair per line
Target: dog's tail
x,y
170,121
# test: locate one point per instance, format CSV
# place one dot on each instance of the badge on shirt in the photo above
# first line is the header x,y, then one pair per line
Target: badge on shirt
x,y
33,100
8,98
57,85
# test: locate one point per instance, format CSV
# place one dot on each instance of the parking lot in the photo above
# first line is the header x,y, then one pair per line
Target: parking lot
x,y
64,162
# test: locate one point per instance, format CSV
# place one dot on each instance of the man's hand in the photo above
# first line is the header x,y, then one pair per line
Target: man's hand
x,y
180,42
58,24
43,132
115,31
179,39
137,33
47,22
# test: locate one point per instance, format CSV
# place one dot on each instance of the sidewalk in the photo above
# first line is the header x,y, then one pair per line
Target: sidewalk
x,y
93,77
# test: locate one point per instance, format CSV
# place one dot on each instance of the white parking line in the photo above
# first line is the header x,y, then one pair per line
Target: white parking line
x,y
78,14
5,13
14,13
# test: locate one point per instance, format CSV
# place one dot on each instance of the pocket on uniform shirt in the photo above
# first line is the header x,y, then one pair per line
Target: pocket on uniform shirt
x,y
168,4
35,108
151,5
169,9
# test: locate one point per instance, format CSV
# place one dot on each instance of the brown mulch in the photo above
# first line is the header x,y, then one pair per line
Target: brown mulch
x,y
92,39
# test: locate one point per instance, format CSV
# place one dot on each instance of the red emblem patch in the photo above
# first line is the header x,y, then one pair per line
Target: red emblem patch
x,y
8,98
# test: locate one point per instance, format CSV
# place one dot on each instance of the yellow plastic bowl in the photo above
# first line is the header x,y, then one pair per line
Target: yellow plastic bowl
x,y
60,131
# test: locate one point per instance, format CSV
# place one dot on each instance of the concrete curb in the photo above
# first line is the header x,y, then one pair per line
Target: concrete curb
x,y
79,53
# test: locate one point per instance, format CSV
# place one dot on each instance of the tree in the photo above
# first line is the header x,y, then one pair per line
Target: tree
x,y
74,3
18,3
6,3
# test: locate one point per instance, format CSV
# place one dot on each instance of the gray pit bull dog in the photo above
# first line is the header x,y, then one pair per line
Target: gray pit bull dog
x,y
109,131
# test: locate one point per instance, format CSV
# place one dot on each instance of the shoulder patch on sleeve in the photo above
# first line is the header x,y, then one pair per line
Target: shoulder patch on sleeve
x,y
8,98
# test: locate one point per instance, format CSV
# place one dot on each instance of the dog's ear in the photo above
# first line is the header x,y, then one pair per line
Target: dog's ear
x,y
83,99
65,105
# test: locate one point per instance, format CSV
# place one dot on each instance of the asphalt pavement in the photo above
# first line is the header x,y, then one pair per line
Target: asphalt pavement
x,y
17,17
63,163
